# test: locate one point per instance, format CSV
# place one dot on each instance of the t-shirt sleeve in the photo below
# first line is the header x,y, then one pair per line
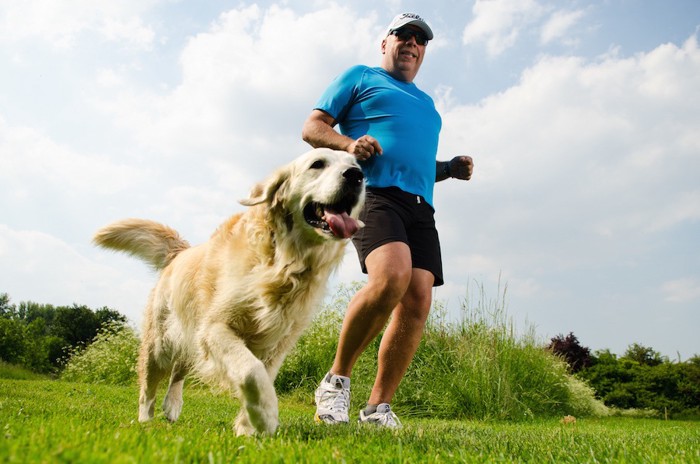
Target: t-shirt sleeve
x,y
340,95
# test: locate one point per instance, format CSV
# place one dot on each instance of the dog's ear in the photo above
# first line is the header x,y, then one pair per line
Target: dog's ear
x,y
267,190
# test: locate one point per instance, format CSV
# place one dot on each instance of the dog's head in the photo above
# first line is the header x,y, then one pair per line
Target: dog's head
x,y
321,192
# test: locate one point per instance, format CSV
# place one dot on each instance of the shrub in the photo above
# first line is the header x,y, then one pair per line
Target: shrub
x,y
644,380
475,367
109,359
576,356
11,340
38,336
478,368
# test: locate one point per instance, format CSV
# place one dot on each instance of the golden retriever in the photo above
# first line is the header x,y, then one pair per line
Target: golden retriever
x,y
230,309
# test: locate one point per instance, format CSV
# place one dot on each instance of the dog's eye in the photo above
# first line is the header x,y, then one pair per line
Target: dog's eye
x,y
318,164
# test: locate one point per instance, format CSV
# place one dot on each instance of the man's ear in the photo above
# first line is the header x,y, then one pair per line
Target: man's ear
x,y
267,190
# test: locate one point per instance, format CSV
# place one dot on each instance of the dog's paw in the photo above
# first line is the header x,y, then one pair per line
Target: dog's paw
x,y
144,416
265,420
242,425
172,409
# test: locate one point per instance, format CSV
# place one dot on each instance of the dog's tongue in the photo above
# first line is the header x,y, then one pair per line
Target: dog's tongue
x,y
341,224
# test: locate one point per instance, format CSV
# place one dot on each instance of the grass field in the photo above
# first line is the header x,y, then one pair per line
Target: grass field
x,y
57,421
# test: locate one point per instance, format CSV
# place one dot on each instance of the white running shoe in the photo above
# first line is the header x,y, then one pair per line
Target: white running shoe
x,y
333,400
382,417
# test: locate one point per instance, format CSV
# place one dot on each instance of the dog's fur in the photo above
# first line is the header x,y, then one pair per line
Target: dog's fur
x,y
229,310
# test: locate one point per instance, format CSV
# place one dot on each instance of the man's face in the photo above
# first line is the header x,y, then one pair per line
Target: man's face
x,y
403,55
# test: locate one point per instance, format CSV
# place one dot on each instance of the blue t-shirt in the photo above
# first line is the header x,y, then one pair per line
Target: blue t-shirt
x,y
368,101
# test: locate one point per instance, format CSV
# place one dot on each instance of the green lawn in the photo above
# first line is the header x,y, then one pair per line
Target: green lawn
x,y
55,421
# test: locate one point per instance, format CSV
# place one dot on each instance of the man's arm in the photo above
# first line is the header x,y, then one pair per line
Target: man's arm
x,y
459,167
318,132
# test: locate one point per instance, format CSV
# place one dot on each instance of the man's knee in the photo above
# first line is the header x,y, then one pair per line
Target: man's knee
x,y
389,270
419,295
390,285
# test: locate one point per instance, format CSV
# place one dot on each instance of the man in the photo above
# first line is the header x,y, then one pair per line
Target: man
x,y
392,128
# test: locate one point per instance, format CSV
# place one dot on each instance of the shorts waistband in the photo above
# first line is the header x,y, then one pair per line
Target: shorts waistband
x,y
399,194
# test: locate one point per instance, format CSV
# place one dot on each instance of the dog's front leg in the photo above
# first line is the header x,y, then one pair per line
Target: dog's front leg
x,y
276,358
247,375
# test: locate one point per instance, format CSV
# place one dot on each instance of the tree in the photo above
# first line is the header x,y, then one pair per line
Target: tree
x,y
576,356
75,324
643,355
6,309
38,336
106,315
30,311
643,379
11,340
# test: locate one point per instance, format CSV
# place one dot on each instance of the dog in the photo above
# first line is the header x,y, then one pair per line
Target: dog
x,y
229,310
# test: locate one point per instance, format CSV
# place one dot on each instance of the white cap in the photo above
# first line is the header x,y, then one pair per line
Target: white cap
x,y
404,19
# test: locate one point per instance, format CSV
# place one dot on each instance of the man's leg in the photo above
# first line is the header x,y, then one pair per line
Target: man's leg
x,y
402,337
389,275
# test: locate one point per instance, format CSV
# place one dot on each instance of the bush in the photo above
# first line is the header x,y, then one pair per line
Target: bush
x,y
109,359
11,341
38,336
26,345
644,380
576,356
474,368
478,368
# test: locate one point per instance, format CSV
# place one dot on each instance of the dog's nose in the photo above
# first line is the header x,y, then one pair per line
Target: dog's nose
x,y
354,175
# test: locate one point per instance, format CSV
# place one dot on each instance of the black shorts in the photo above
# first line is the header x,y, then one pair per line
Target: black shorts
x,y
392,215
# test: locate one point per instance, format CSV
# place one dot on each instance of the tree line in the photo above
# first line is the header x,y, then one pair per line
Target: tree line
x,y
639,379
40,336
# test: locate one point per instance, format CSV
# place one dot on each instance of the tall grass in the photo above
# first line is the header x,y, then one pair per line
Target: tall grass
x,y
473,367
110,358
478,367
11,371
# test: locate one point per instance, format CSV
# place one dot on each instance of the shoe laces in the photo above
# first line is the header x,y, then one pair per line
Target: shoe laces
x,y
386,417
389,419
341,398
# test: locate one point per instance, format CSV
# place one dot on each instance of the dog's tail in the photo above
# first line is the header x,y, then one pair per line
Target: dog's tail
x,y
152,242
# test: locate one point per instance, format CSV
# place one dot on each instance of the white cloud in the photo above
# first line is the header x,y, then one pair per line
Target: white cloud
x,y
60,23
33,163
130,30
578,165
682,290
62,275
683,208
247,85
498,23
559,24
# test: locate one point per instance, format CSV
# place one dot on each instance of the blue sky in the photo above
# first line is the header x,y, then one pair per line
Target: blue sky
x,y
582,118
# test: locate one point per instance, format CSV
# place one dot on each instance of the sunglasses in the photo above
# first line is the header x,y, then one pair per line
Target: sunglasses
x,y
405,34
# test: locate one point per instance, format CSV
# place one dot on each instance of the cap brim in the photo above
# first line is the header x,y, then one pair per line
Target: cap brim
x,y
413,22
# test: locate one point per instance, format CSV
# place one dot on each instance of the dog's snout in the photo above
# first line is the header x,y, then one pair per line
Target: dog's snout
x,y
354,175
